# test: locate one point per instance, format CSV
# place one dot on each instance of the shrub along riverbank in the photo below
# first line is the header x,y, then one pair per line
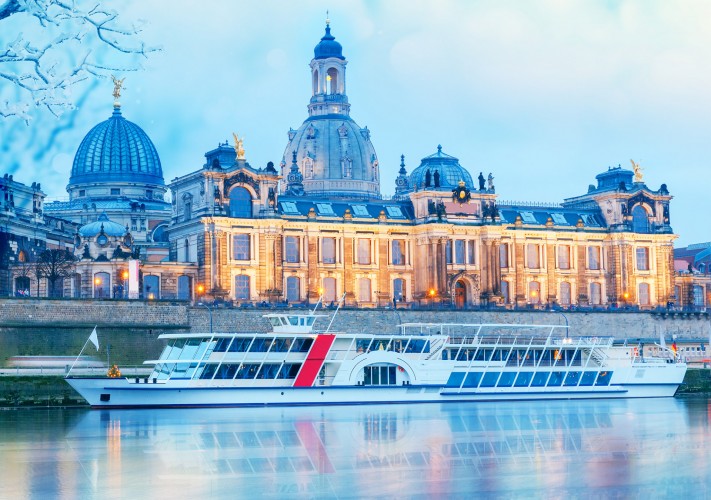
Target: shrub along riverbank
x,y
53,391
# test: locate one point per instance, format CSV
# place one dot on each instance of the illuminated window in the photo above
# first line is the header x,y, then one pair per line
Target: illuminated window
x,y
364,294
398,252
329,289
240,247
594,258
533,256
328,250
564,298
642,259
595,294
534,292
644,294
564,257
291,249
504,255
363,253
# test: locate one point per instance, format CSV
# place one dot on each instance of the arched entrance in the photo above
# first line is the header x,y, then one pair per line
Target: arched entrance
x,y
460,295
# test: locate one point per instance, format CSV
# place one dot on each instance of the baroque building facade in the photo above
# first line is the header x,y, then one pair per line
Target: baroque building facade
x,y
320,227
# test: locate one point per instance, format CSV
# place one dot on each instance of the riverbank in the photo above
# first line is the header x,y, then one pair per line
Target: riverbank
x,y
53,391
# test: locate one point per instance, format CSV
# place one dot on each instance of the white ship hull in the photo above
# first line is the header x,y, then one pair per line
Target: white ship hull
x,y
424,363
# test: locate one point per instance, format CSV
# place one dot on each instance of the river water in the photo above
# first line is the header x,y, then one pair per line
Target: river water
x,y
653,448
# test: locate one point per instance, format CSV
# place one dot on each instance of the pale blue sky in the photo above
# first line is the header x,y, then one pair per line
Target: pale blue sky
x,y
543,94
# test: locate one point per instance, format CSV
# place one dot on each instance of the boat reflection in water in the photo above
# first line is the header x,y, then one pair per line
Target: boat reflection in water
x,y
542,448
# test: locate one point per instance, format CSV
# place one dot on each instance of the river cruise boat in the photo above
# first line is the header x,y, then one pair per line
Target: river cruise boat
x,y
295,364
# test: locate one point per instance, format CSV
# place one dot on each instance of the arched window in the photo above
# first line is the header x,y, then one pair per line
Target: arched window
x,y
329,289
308,167
640,220
534,292
399,289
151,287
185,288
22,256
595,294
332,81
240,203
293,289
22,286
564,298
314,83
187,209
364,293
643,294
102,285
242,287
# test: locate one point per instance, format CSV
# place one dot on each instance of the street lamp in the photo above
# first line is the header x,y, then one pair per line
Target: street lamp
x,y
124,277
209,310
432,293
567,339
97,285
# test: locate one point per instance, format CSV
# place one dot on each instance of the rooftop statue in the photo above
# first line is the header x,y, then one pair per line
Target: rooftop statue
x,y
637,171
118,85
239,146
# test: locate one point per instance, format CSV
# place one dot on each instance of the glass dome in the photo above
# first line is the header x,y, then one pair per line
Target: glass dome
x,y
442,168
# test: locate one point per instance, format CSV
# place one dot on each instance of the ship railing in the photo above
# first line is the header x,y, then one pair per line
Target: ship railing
x,y
92,371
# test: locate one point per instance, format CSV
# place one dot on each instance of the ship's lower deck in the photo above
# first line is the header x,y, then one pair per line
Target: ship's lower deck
x,y
108,393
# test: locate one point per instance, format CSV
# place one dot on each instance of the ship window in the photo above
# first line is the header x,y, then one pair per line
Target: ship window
x,y
289,370
473,379
240,345
222,344
268,371
572,378
293,320
302,345
556,379
380,375
523,379
540,379
227,371
247,371
208,372
604,378
261,345
490,379
506,379
190,349
588,379
455,379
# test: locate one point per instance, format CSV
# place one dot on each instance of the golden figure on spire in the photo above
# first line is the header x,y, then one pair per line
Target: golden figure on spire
x,y
239,146
118,85
637,171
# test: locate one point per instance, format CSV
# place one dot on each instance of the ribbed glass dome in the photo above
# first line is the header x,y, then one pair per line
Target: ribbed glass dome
x,y
448,169
116,150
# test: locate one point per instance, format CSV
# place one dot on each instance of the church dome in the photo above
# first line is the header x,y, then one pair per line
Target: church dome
x,y
328,47
335,157
116,150
449,173
103,224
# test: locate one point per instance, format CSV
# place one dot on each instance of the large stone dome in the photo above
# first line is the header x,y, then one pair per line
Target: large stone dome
x,y
333,154
449,173
116,150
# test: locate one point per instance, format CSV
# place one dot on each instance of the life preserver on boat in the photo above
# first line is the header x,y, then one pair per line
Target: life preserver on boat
x,y
400,368
635,352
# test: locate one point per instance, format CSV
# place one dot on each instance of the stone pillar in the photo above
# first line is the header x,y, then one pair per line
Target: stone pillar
x,y
486,275
519,257
552,287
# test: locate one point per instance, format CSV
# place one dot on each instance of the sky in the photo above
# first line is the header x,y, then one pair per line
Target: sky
x,y
543,94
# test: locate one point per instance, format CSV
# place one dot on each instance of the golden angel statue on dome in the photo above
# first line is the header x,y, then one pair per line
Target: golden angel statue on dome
x,y
239,146
637,171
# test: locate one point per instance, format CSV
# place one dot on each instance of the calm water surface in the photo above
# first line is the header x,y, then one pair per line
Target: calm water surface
x,y
624,449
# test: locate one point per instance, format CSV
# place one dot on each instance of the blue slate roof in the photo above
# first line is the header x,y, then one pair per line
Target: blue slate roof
x,y
366,210
110,228
449,170
105,204
561,217
116,150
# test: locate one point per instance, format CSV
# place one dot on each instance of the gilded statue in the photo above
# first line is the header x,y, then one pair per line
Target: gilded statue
x,y
239,146
118,85
637,171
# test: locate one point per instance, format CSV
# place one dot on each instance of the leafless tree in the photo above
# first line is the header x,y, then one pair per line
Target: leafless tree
x,y
55,265
58,50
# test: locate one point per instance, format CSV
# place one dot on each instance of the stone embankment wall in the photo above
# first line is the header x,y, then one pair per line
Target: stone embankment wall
x,y
32,327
